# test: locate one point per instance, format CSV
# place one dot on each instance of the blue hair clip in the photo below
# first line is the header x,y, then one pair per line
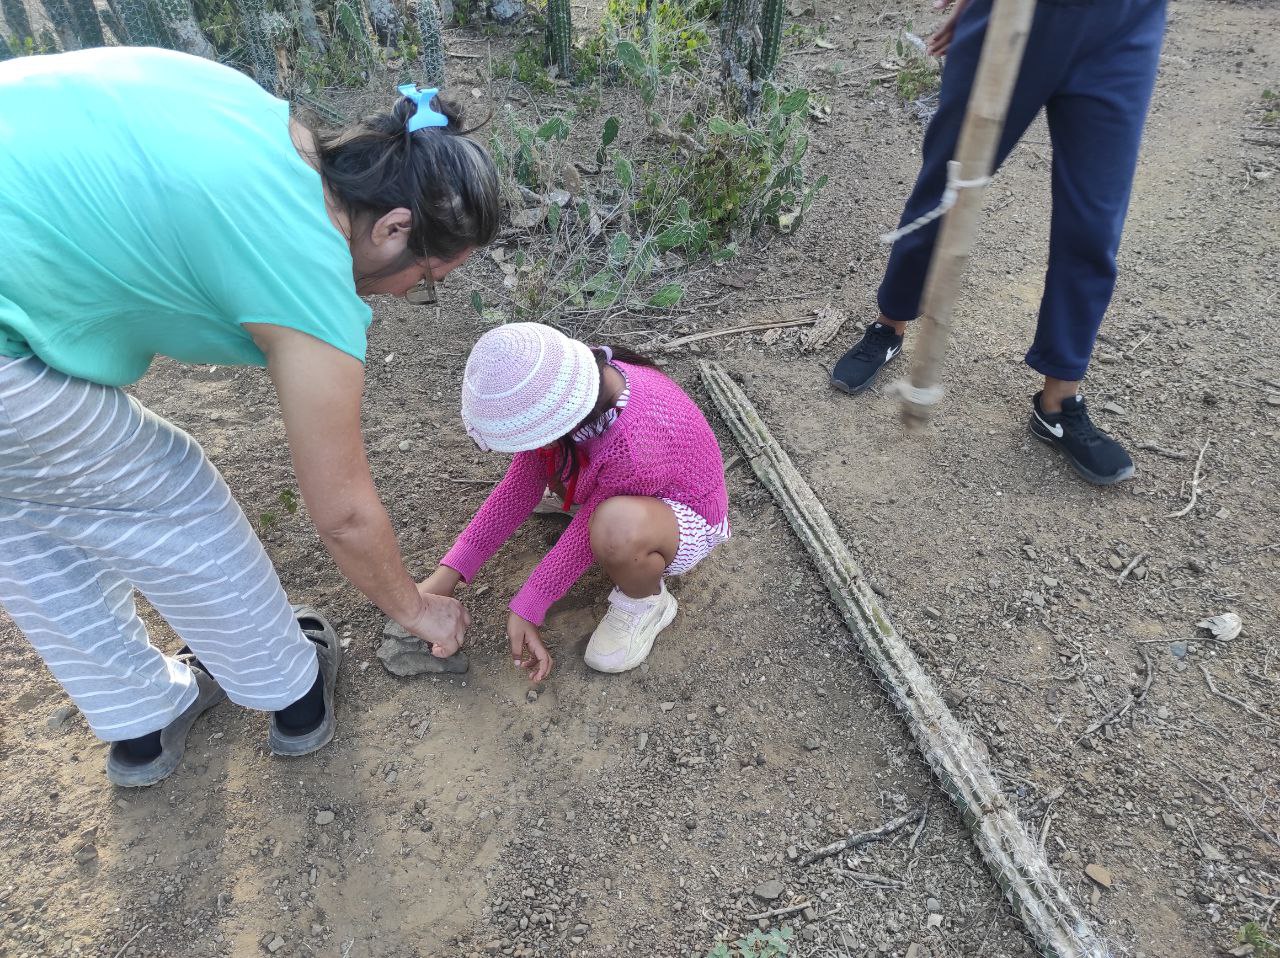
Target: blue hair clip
x,y
424,115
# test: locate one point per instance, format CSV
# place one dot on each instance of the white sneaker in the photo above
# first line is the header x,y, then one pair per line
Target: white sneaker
x,y
625,635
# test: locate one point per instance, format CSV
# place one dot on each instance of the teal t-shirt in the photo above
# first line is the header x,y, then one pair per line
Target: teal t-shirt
x,y
150,204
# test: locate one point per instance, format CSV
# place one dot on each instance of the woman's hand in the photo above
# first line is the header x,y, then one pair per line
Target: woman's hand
x,y
527,650
441,622
940,42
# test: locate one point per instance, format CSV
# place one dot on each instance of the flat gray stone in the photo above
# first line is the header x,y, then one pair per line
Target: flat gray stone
x,y
404,655
769,891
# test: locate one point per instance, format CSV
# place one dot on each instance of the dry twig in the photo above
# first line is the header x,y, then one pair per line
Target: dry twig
x,y
752,328
1133,564
858,839
776,912
1195,486
1213,687
126,945
1134,698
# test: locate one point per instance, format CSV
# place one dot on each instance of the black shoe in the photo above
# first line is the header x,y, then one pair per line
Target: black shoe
x,y
857,368
329,653
1095,455
125,770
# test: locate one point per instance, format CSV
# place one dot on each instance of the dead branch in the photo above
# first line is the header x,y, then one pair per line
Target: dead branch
x,y
1133,698
1055,924
1133,564
1162,450
915,836
1195,486
1226,696
1222,790
871,878
728,331
777,912
858,839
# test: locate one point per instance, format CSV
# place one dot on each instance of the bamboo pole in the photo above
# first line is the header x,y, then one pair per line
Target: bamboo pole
x,y
998,66
1058,929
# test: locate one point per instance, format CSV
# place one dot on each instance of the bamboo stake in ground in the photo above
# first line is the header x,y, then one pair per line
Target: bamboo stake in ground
x,y
1057,927
998,66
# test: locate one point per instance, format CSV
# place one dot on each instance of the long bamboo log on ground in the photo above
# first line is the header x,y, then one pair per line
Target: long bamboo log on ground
x,y
1019,866
998,66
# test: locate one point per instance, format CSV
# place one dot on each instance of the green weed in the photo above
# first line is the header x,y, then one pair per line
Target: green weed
x,y
757,944
1264,945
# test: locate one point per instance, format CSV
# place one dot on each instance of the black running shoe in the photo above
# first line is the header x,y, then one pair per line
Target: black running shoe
x,y
857,368
1093,454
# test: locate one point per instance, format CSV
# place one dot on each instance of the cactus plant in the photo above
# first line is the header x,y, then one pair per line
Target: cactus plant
x,y
431,29
88,27
177,19
262,56
770,36
15,15
135,19
64,27
739,53
560,36
309,25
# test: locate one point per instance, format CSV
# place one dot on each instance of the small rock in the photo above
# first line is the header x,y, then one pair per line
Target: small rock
x,y
531,696
1178,649
1114,408
403,654
933,921
812,744
1099,874
1170,821
1115,562
405,445
86,854
933,905
641,741
60,716
667,706
324,817
1196,566
770,890
275,944
1051,697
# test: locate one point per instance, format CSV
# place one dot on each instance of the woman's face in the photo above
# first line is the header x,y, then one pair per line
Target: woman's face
x,y
376,257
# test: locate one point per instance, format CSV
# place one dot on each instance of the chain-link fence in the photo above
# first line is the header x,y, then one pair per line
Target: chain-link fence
x,y
291,47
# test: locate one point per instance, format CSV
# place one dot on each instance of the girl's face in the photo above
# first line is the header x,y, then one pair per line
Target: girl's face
x,y
378,254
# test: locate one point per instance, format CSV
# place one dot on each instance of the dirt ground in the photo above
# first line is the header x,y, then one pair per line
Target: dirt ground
x,y
641,814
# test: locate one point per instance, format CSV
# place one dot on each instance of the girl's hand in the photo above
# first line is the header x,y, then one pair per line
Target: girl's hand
x,y
527,650
441,582
940,42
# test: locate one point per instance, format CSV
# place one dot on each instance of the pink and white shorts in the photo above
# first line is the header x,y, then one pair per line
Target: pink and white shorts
x,y
697,538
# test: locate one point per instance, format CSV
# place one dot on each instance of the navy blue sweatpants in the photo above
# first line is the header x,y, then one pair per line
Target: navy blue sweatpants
x,y
1091,66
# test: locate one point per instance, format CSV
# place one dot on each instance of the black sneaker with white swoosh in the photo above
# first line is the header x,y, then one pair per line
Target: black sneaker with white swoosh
x,y
1093,454
857,368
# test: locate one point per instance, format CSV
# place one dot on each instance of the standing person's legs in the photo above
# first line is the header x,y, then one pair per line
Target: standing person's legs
x,y
96,493
1053,36
1095,124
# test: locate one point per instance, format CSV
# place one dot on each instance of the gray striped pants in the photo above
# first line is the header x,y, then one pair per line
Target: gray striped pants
x,y
99,496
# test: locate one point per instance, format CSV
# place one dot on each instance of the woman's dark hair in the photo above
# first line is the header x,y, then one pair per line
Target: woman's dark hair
x,y
567,464
443,177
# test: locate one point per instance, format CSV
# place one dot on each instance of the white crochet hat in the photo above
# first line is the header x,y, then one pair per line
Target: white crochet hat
x,y
525,386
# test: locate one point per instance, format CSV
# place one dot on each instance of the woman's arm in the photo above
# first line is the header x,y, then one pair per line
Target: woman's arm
x,y
319,388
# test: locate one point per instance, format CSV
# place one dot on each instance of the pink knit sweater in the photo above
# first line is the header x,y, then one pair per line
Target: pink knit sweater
x,y
660,446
